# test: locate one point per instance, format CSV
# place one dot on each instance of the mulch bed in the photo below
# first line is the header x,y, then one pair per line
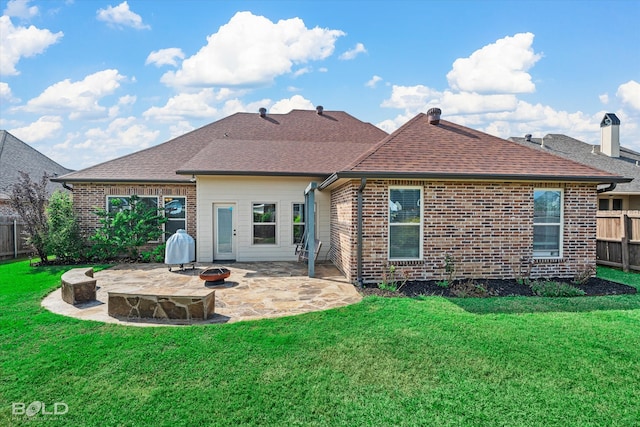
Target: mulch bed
x,y
496,288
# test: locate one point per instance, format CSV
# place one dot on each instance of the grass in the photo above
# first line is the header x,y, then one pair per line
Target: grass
x,y
384,361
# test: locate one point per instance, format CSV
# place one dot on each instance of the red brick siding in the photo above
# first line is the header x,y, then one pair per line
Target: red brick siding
x,y
486,227
89,197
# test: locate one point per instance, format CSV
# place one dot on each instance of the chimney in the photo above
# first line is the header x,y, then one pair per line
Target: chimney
x,y
527,137
319,109
263,112
433,115
610,135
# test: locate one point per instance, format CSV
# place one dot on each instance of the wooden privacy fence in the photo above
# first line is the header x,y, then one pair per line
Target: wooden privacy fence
x,y
618,239
12,244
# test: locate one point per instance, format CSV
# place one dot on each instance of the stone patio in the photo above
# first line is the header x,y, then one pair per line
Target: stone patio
x,y
254,291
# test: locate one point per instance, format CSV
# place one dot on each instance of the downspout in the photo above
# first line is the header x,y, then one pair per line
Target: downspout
x,y
611,187
64,185
363,183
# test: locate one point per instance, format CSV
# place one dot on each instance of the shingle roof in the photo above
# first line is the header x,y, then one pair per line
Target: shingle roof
x,y
420,149
16,156
579,151
244,143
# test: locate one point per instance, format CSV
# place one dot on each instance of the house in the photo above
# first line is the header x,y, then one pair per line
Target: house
x,y
609,156
16,157
430,189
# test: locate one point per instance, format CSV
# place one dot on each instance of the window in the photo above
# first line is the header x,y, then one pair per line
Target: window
x,y
617,204
298,222
175,209
117,203
264,223
603,204
405,223
547,223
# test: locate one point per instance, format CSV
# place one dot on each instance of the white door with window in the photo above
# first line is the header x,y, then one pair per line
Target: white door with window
x,y
224,231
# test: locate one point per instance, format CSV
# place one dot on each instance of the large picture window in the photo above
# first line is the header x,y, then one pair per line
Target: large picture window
x,y
175,209
405,223
547,223
264,223
117,203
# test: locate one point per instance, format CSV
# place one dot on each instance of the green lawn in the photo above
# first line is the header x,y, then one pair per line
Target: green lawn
x,y
429,361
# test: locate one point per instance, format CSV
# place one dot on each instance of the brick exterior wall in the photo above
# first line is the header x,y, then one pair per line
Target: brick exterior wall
x,y
88,197
6,210
486,227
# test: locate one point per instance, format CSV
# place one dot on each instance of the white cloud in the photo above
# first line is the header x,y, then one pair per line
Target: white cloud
x,y
180,128
122,135
323,70
165,57
43,128
500,67
79,98
20,9
197,105
373,82
604,98
629,93
296,102
301,71
293,89
19,42
252,50
121,16
352,53
5,93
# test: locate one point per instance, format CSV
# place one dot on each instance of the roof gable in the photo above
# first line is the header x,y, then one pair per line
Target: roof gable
x,y
449,149
246,143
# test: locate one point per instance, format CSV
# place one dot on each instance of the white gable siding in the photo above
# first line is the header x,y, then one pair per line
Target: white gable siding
x,y
243,192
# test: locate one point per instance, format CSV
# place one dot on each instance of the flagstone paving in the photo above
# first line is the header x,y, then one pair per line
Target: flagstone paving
x,y
253,291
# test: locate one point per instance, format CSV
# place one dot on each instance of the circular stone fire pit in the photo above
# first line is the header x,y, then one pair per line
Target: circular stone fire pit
x,y
215,275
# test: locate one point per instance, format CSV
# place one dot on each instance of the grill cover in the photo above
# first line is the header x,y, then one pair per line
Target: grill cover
x,y
180,249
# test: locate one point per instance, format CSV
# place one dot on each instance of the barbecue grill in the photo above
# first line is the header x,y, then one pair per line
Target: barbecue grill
x,y
180,250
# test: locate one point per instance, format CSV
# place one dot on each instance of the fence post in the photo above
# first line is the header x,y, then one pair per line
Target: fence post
x,y
625,241
15,238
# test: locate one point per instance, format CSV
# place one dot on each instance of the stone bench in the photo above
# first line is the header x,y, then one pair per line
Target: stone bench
x,y
162,304
78,286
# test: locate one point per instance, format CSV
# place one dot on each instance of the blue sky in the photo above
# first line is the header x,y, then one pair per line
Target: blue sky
x,y
86,81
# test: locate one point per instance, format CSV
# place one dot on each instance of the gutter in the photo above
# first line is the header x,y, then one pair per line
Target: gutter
x,y
363,183
612,186
64,185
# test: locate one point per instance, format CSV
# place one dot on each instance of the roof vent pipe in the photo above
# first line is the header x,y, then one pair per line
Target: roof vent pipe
x,y
527,137
262,111
319,109
433,115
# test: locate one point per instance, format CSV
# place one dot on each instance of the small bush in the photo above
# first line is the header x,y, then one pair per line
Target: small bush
x,y
470,289
64,240
391,281
154,255
549,288
583,276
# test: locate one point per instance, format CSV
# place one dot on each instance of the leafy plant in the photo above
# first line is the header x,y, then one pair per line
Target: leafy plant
x,y
390,280
550,288
154,255
29,199
523,272
122,232
64,239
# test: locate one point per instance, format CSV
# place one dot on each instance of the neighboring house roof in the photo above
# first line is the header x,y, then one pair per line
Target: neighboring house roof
x,y
296,143
570,148
447,150
16,156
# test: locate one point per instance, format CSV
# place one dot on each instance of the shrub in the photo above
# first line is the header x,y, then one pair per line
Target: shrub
x,y
583,275
29,199
391,282
154,255
470,289
549,288
123,232
64,239
449,272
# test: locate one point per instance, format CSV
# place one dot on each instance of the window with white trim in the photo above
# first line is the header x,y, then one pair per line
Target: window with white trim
x,y
175,209
264,223
548,215
298,222
405,223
